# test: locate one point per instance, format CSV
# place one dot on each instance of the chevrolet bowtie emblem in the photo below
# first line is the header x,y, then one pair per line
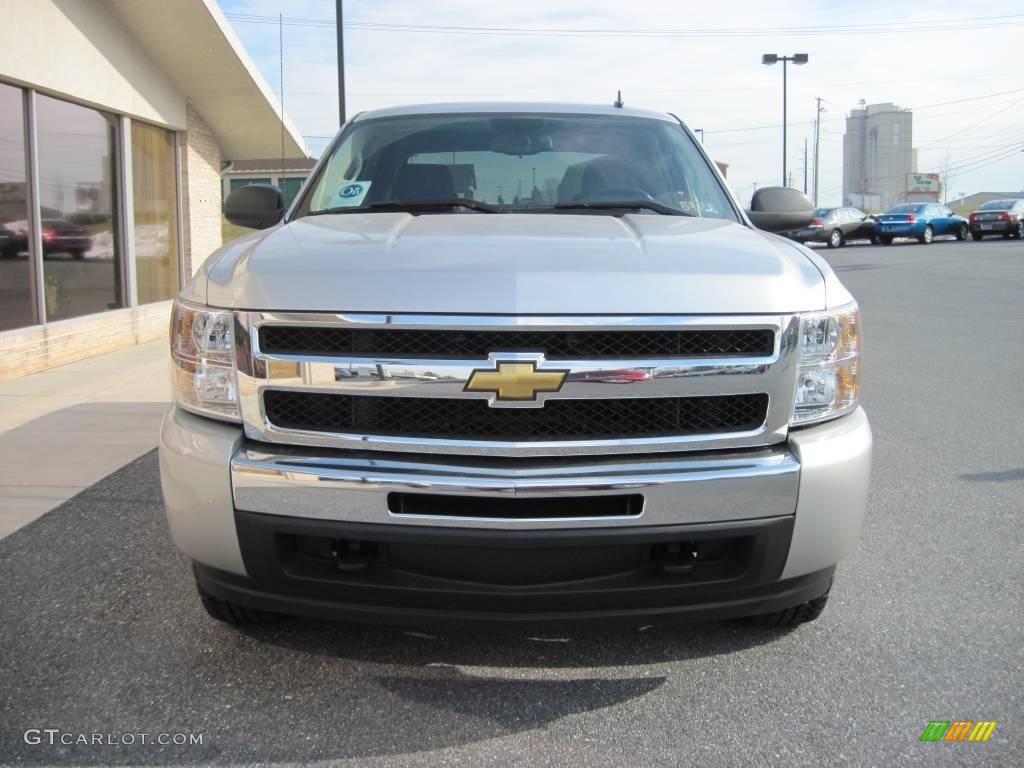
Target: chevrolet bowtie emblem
x,y
515,381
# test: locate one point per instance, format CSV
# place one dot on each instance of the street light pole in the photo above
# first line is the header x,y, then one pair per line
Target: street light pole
x,y
341,61
774,58
701,132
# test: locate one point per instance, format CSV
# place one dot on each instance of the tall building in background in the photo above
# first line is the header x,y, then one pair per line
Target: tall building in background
x,y
878,157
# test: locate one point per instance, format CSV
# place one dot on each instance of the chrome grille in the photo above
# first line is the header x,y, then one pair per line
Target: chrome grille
x,y
475,420
459,344
398,383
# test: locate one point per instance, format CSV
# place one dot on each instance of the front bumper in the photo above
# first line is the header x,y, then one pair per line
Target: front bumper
x,y
265,529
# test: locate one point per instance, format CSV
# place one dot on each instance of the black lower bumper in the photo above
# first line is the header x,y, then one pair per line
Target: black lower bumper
x,y
422,575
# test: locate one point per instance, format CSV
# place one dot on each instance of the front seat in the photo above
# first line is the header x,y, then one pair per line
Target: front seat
x,y
607,173
418,181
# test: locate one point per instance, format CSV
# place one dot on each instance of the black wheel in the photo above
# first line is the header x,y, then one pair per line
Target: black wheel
x,y
961,234
884,240
977,235
1018,233
77,254
237,615
8,253
928,236
791,617
835,239
875,240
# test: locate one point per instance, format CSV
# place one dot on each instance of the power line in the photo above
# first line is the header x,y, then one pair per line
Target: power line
x,y
936,25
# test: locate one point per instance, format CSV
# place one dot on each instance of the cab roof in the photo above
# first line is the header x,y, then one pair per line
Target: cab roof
x,y
498,107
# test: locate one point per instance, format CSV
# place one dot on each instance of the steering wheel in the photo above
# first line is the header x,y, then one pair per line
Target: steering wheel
x,y
612,194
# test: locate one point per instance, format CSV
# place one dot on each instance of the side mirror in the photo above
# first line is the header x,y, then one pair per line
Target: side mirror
x,y
256,206
778,209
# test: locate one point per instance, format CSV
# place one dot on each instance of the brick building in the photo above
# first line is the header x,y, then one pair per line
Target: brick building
x,y
116,118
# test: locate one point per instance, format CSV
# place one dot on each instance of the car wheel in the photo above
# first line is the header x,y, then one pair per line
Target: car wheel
x,y
8,253
885,240
927,236
791,617
977,235
875,240
77,254
835,239
237,615
961,234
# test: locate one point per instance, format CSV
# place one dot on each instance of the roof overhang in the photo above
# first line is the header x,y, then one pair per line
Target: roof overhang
x,y
193,43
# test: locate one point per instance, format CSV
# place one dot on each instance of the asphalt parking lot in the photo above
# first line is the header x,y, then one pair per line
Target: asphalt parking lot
x,y
101,632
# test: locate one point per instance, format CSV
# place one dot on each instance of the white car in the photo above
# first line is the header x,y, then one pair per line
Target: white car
x,y
481,265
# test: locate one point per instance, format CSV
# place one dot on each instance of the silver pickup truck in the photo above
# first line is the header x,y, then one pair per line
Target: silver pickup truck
x,y
515,363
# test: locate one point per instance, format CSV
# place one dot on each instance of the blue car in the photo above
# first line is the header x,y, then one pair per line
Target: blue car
x,y
924,221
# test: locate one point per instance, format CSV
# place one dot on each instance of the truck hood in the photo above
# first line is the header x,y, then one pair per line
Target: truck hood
x,y
511,264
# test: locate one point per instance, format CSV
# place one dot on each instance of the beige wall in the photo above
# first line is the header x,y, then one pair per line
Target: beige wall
x,y
200,170
45,346
108,67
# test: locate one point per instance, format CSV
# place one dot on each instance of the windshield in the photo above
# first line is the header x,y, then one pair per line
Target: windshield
x,y
512,163
911,208
997,205
822,213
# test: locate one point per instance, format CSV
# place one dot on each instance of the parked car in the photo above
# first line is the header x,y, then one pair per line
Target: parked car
x,y
514,489
837,226
998,217
61,236
923,221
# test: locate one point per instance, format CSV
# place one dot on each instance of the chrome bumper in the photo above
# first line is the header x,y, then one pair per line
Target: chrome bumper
x,y
820,474
355,488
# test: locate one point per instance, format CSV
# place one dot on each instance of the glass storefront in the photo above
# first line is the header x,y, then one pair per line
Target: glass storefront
x,y
81,268
77,171
155,213
16,306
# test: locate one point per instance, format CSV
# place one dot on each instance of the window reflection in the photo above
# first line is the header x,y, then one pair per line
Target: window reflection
x,y
156,213
81,271
15,286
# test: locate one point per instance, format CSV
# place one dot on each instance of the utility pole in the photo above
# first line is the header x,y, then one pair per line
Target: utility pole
x,y
340,28
805,166
817,142
280,47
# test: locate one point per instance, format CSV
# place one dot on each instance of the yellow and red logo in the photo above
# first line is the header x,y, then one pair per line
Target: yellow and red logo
x,y
958,730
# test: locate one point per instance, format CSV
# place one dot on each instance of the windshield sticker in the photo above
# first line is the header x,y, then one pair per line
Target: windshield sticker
x,y
350,194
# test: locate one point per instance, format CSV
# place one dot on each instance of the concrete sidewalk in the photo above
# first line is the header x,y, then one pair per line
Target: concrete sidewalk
x,y
64,429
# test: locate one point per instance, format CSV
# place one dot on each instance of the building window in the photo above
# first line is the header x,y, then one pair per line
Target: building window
x,y
155,215
290,187
16,305
236,183
81,266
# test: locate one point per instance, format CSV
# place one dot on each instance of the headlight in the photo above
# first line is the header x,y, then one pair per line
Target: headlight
x,y
828,384
203,361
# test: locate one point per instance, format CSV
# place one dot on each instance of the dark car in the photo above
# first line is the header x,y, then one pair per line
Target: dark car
x,y
998,217
837,226
10,242
923,221
61,236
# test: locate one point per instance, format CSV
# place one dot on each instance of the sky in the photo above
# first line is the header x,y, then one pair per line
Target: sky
x,y
956,64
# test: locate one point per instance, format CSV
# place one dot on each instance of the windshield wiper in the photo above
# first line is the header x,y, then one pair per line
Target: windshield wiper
x,y
622,205
439,204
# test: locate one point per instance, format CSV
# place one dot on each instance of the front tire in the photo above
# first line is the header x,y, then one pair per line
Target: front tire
x,y
961,234
835,239
928,235
792,617
237,615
